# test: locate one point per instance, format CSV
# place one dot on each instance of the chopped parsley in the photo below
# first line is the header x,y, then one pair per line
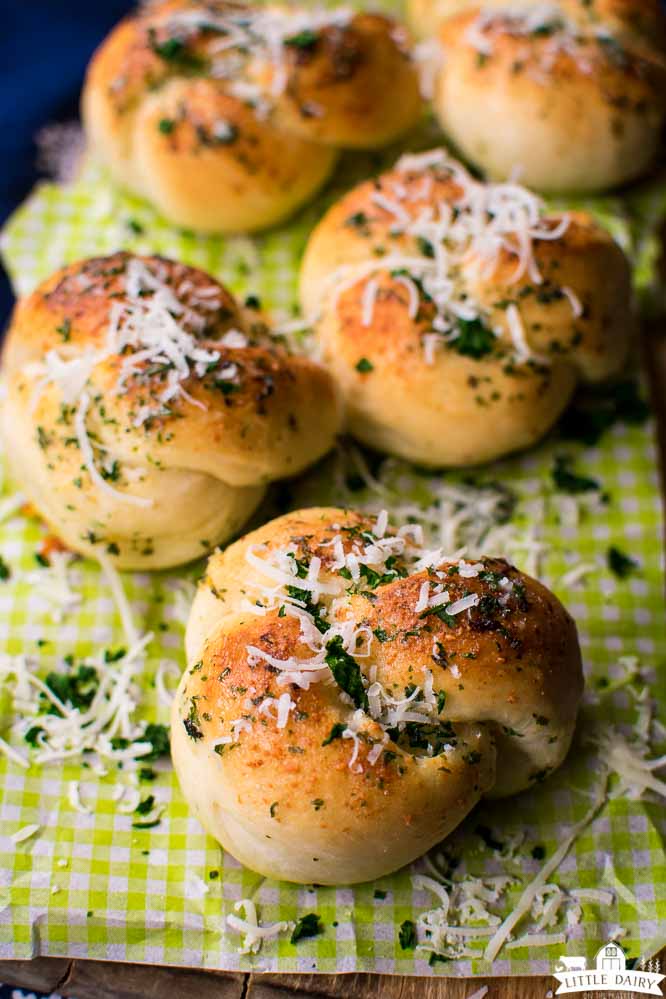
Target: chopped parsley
x,y
174,50
357,221
335,733
346,672
426,247
146,806
32,735
113,655
474,339
65,330
303,40
620,565
364,366
166,126
76,688
568,481
158,737
5,571
309,925
407,935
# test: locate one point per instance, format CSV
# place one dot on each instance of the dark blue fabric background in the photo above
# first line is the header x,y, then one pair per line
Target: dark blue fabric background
x,y
44,48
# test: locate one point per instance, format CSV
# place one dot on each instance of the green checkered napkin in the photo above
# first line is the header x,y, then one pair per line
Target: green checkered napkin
x,y
94,886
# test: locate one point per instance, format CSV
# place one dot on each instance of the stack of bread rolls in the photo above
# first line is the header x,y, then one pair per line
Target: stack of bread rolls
x,y
350,693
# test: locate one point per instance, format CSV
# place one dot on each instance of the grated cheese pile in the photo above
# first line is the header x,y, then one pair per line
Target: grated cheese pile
x,y
464,519
104,723
465,234
471,912
628,753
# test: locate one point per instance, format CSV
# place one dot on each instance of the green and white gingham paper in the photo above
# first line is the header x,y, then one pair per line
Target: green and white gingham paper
x,y
93,886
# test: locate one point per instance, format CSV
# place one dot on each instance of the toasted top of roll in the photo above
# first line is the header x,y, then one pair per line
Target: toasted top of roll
x,y
632,19
333,76
127,369
458,316
228,116
350,695
572,96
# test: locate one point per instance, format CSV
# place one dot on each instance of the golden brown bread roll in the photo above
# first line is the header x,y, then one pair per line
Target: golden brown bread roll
x,y
228,116
350,695
566,96
457,317
146,412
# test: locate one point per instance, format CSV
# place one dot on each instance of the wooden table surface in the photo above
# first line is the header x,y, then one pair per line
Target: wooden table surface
x,y
106,980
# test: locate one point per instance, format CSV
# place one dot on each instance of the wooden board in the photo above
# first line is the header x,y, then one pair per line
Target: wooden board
x,y
106,980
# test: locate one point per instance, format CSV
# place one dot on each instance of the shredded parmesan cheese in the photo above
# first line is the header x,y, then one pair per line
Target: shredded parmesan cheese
x,y
252,932
530,892
21,835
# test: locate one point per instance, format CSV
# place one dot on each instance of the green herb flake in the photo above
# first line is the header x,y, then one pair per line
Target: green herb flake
x,y
64,331
474,339
407,935
335,733
158,737
620,565
32,735
146,806
303,40
77,688
346,672
309,925
364,366
566,480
